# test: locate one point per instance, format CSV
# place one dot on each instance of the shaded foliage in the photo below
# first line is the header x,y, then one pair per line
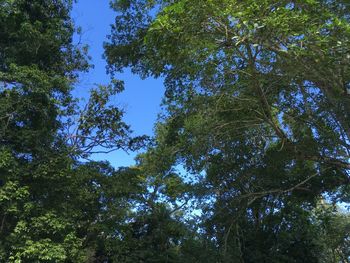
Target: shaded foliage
x,y
257,105
250,157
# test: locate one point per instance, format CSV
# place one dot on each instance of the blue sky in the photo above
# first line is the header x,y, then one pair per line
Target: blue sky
x,y
141,98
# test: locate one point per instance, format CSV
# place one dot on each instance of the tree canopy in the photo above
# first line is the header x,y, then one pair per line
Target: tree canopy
x,y
256,113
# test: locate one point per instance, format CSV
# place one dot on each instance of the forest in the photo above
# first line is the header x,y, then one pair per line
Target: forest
x,y
250,157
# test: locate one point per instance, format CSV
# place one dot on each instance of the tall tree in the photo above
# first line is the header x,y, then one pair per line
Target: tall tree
x,y
257,99
51,202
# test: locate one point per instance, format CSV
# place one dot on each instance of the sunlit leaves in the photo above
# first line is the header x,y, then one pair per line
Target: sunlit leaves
x,y
256,103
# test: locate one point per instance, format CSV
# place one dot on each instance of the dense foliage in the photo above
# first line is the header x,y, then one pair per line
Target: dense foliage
x,y
50,203
257,105
256,113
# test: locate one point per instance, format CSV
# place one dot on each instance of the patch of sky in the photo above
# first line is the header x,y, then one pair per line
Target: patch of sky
x,y
140,99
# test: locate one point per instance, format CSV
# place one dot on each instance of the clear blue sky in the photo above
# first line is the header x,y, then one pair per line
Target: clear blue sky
x,y
141,98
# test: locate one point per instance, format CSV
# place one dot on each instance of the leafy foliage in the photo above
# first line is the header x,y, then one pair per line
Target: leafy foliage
x,y
257,102
256,114
50,201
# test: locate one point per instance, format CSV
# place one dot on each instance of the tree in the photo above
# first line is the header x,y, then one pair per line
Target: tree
x,y
155,229
50,201
256,110
257,100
